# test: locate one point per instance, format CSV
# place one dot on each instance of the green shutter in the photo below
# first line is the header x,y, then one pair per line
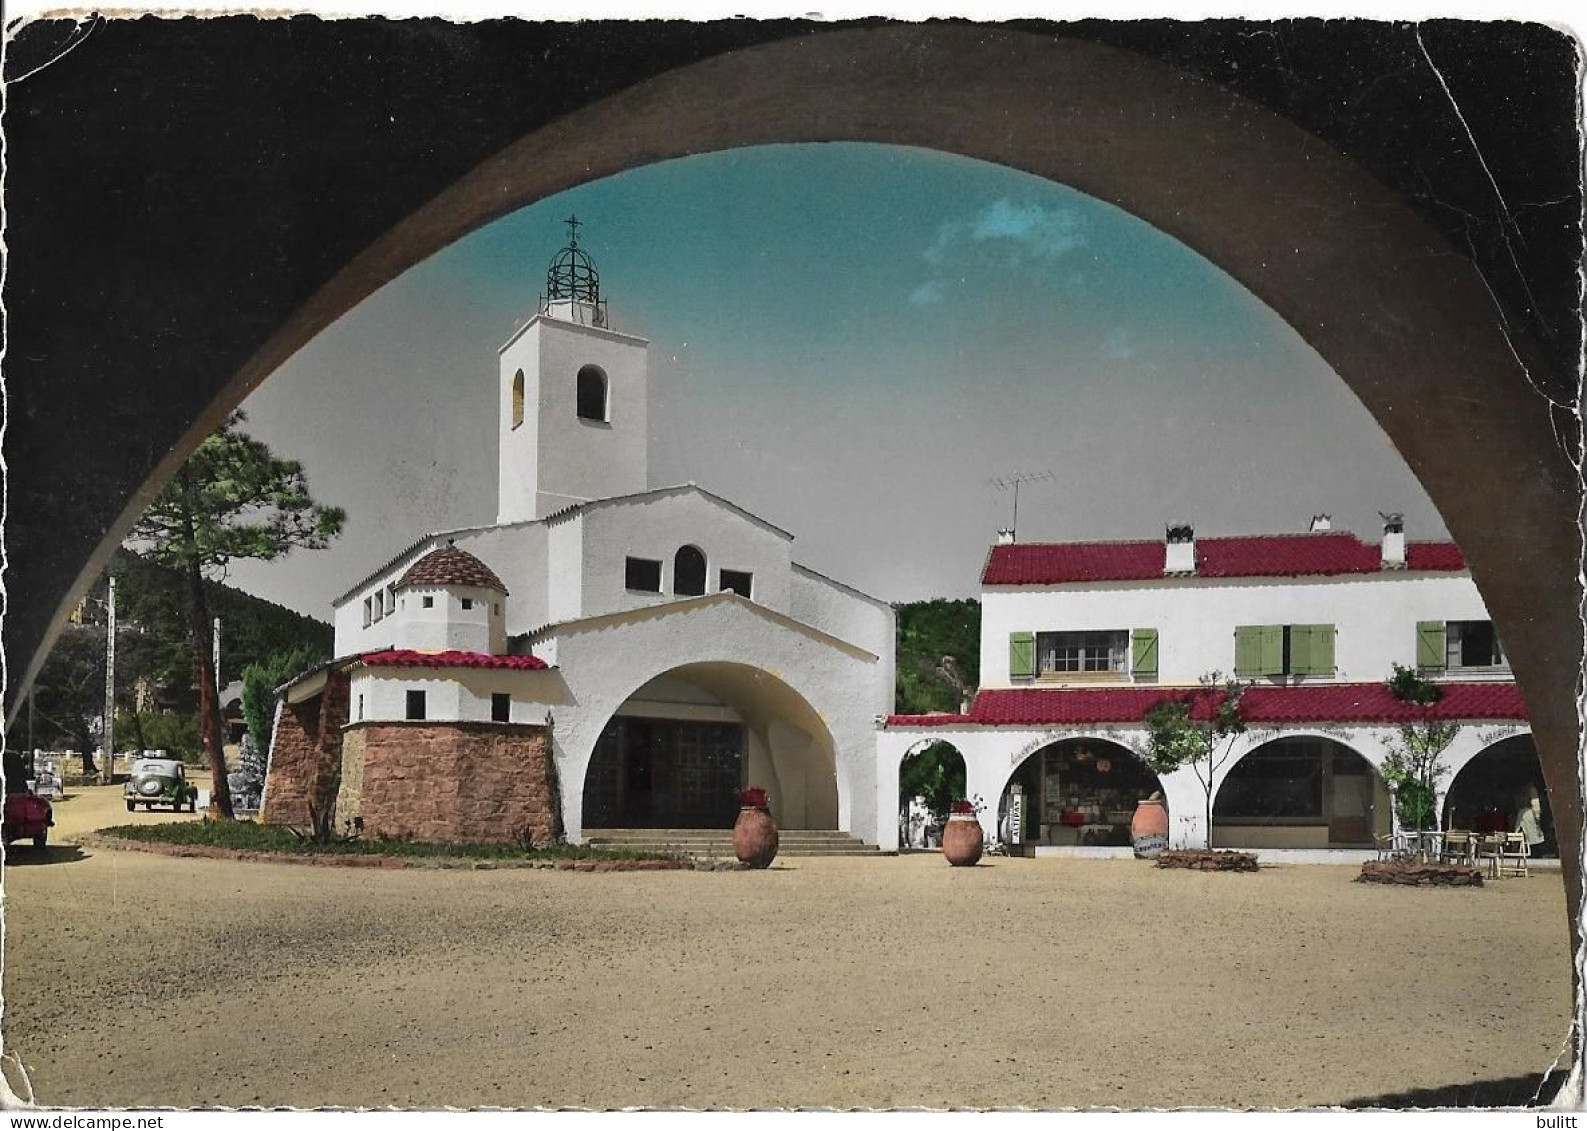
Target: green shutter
x,y
1143,651
1272,649
1300,649
1021,655
1248,650
1311,649
1430,644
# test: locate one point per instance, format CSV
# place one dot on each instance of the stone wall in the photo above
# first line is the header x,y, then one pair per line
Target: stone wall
x,y
306,757
463,783
350,791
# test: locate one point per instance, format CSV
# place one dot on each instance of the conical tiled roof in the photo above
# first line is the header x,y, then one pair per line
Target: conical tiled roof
x,y
451,566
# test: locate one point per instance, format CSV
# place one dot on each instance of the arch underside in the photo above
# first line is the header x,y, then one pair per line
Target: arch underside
x,y
1406,320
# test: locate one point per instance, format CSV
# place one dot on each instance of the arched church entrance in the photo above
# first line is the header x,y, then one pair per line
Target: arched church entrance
x,y
1495,790
1300,792
1076,792
680,748
930,778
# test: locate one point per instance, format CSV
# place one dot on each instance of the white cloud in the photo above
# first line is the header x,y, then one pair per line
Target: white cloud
x,y
1030,228
929,293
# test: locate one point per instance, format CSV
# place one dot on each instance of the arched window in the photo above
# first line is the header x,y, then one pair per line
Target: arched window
x,y
592,393
517,398
688,572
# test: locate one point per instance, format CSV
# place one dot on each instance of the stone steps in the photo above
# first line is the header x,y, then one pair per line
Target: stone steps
x,y
719,842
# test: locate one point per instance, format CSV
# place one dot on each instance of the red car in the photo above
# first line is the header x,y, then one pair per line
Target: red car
x,y
27,815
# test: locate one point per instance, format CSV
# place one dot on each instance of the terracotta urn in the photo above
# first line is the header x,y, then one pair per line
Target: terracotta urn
x,y
961,840
755,836
1149,828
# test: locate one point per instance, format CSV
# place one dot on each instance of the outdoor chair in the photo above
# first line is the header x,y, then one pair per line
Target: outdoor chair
x,y
1457,847
1387,849
1513,855
1488,850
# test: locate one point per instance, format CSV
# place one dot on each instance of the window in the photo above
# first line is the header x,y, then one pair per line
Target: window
x,y
592,393
360,708
1058,653
391,599
368,615
1284,649
500,707
736,581
427,602
688,572
1458,644
642,575
517,398
415,705
378,606
468,602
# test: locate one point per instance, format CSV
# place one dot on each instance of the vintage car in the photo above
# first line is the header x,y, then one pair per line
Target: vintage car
x,y
160,781
27,815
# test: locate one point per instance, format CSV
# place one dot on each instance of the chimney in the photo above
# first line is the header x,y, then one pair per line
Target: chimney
x,y
1320,522
1005,537
1393,541
1180,551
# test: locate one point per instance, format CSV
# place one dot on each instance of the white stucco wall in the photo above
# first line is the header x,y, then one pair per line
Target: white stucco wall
x,y
555,458
606,661
564,583
655,527
849,615
446,624
452,694
1374,616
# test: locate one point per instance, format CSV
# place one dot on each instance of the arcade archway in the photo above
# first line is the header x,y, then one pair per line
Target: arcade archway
x,y
1302,791
1493,790
1076,792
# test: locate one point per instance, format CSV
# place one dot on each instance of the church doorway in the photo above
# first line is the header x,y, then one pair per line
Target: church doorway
x,y
665,774
680,748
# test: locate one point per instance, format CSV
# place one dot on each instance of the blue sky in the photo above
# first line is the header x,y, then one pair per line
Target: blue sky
x,y
852,341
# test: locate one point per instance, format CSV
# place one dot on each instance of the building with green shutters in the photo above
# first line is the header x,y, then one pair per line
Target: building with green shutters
x,y
1080,639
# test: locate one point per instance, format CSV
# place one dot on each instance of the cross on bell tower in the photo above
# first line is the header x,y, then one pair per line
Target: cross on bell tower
x,y
572,276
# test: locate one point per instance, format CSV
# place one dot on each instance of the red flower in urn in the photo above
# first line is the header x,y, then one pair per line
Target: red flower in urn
x,y
754,833
961,837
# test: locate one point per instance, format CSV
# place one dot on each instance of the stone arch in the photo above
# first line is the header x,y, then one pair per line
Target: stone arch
x,y
1107,778
1302,789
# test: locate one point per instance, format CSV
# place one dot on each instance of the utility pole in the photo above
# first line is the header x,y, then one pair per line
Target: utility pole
x,y
110,686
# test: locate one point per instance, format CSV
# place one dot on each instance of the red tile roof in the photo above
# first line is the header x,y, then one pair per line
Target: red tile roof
x,y
1319,703
451,566
408,658
1322,554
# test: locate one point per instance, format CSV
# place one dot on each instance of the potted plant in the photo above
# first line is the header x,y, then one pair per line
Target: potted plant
x,y
961,836
754,833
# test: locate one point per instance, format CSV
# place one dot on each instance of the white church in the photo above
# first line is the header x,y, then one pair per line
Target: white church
x,y
607,654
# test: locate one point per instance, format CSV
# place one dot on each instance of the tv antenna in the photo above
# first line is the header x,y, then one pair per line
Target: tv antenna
x,y
1012,481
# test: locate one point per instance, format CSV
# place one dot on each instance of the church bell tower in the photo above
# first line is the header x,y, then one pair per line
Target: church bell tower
x,y
573,398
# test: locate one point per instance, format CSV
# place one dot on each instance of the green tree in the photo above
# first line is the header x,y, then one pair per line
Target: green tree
x,y
231,499
1414,765
938,658
1196,730
259,683
935,774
